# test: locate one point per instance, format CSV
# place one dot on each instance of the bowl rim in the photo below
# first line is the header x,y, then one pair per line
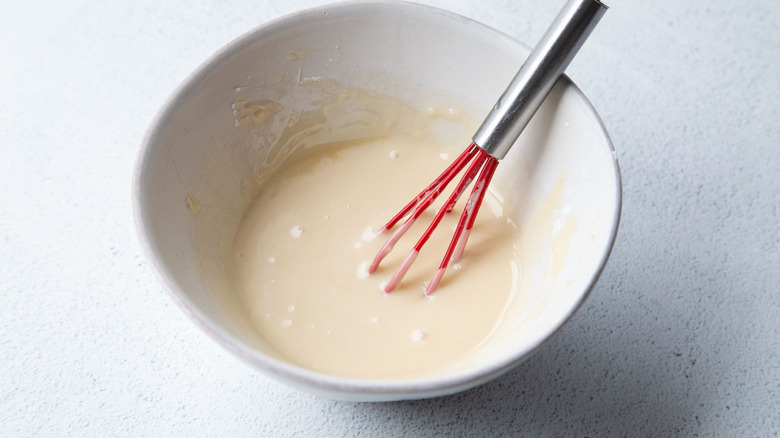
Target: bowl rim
x,y
325,384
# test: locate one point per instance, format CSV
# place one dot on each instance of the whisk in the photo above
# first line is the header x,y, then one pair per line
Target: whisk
x,y
498,132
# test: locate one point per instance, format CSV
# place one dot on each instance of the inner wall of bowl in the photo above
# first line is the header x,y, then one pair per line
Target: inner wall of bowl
x,y
201,179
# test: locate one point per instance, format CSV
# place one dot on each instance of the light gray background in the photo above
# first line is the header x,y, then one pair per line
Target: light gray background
x,y
680,337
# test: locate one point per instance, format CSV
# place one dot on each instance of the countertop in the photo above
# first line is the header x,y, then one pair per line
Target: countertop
x,y
680,337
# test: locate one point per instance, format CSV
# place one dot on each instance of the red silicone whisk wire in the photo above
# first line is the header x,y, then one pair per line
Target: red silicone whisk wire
x,y
465,223
472,207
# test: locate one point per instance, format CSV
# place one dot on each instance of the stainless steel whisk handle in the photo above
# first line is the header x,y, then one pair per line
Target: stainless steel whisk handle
x,y
537,76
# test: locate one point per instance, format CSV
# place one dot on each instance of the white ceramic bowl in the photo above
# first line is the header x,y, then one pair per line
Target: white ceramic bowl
x,y
193,174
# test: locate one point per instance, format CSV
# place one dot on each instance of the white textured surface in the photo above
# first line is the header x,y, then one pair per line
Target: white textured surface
x,y
680,337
